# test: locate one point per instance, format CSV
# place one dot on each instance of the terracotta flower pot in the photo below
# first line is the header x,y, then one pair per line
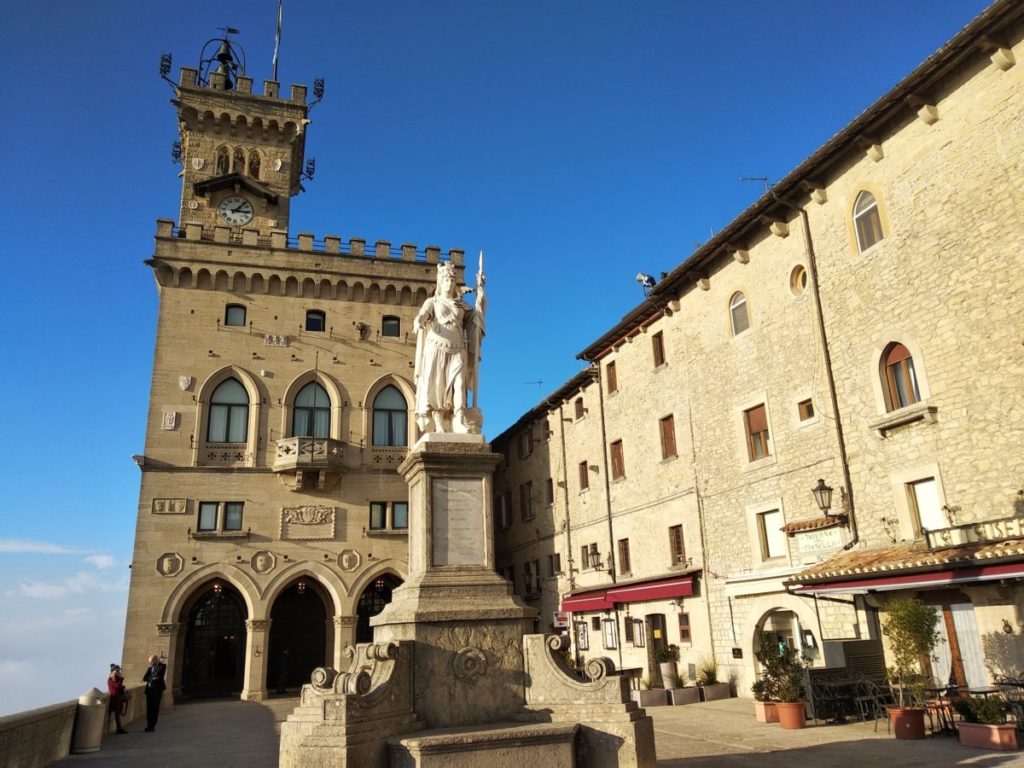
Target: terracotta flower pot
x,y
1003,736
907,723
791,714
765,712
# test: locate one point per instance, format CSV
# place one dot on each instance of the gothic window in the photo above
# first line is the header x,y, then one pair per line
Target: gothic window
x,y
311,412
229,413
238,165
254,164
390,418
222,161
867,221
900,379
738,312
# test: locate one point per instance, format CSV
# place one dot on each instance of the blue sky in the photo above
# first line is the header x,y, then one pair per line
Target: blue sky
x,y
576,142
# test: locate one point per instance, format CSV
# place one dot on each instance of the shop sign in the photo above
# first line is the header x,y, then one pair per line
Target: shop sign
x,y
975,533
560,620
809,542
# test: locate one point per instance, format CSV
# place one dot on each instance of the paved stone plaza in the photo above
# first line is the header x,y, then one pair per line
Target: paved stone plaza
x,y
719,734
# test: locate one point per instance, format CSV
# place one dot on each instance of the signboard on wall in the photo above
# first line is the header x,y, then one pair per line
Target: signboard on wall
x,y
560,619
811,542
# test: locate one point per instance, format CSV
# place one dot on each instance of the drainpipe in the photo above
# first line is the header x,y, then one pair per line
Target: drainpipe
x,y
812,262
565,488
607,477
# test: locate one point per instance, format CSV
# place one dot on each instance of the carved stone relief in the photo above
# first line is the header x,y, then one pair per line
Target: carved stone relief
x,y
263,561
271,340
170,420
169,564
349,560
185,383
170,506
344,622
258,625
165,630
308,522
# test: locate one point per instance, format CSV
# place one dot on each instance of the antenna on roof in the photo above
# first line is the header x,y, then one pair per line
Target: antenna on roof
x,y
277,36
762,179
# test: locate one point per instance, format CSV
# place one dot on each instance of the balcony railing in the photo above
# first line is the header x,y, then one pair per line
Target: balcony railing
x,y
300,458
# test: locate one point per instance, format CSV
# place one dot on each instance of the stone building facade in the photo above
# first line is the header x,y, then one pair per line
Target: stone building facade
x,y
858,325
272,522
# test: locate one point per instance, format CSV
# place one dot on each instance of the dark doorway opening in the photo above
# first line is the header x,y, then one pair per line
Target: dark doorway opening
x,y
376,595
214,658
298,635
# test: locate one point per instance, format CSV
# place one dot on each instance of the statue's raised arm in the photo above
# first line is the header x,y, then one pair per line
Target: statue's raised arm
x,y
448,337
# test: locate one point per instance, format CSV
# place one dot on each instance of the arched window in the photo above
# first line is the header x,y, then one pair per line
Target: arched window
x,y
867,221
390,418
238,166
900,378
738,311
316,321
254,164
229,414
222,161
311,412
390,326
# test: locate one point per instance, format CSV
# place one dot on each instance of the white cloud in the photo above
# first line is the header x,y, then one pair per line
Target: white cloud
x,y
27,546
101,561
76,584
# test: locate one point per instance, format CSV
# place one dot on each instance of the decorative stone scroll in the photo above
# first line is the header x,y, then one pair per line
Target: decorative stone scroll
x,y
170,506
308,522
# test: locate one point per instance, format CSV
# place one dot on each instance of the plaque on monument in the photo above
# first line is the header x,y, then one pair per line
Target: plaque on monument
x,y
458,513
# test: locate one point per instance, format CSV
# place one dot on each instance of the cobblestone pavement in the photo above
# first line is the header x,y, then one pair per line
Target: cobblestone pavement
x,y
718,734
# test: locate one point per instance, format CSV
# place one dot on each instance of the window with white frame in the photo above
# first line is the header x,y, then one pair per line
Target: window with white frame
x,y
738,313
925,505
867,221
770,534
611,640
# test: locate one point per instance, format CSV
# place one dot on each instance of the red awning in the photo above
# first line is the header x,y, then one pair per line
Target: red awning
x,y
681,586
636,592
591,601
912,580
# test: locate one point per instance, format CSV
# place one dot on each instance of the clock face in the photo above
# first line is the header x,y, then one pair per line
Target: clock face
x,y
235,210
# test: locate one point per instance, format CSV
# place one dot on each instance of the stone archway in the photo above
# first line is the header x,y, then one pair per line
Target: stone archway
x,y
375,596
213,654
299,639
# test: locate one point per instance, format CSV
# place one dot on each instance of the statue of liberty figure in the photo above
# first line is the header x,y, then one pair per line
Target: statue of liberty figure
x,y
448,336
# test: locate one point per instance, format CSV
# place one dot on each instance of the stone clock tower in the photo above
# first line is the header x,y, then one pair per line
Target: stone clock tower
x,y
272,523
242,152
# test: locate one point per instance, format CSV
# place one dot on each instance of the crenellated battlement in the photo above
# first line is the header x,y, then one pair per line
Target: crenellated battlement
x,y
308,243
189,78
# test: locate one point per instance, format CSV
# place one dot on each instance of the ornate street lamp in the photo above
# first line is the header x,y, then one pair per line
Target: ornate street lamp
x,y
823,495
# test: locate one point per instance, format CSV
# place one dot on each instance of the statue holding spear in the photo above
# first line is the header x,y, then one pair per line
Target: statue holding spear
x,y
449,333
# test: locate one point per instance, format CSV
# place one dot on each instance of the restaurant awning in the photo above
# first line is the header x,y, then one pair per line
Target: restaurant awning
x,y
911,565
604,598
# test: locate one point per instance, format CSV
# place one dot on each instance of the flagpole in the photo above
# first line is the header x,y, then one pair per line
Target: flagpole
x,y
277,37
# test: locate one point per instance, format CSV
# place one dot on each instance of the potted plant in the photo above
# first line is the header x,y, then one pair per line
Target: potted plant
x,y
681,693
707,679
667,657
791,707
766,686
984,723
912,630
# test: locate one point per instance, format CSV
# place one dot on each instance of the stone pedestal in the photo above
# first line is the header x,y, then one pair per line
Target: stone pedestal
x,y
467,625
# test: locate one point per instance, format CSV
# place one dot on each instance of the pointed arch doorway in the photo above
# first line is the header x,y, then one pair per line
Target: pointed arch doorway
x,y
298,634
376,595
213,660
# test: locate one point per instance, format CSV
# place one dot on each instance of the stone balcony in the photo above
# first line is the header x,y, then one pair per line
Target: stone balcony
x,y
309,462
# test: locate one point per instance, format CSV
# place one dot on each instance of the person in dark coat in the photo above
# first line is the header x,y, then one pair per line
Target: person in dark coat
x,y
118,695
155,686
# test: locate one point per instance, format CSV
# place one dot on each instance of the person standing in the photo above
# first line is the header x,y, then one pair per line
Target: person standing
x,y
155,686
118,695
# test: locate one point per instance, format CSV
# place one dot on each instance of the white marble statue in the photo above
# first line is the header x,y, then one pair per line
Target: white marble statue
x,y
448,336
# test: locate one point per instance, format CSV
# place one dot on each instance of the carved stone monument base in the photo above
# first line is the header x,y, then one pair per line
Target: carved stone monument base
x,y
452,653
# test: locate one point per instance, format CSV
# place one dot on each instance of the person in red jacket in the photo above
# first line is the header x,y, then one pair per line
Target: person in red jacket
x,y
118,695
